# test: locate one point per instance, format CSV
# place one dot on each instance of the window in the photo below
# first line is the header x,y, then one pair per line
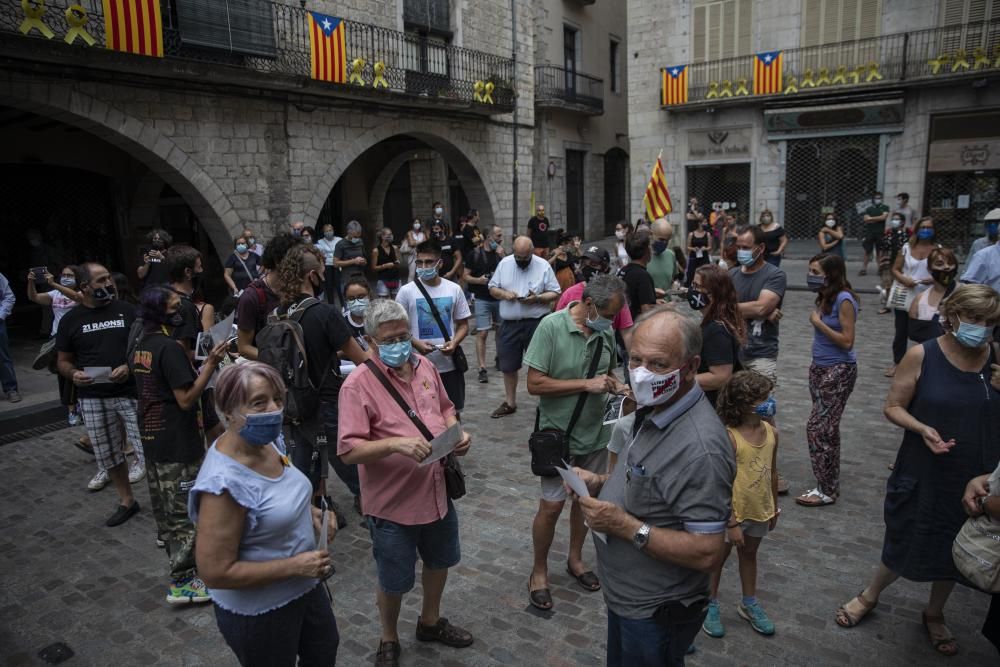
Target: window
x,y
614,56
430,15
722,29
967,29
240,26
829,21
571,60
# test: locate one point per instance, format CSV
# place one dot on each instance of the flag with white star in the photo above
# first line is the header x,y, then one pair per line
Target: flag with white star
x,y
328,50
674,87
767,73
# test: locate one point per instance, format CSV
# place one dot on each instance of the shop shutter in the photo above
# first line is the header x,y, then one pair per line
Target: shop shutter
x,y
239,26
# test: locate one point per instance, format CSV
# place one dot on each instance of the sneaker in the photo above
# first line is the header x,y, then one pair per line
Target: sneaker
x,y
136,471
73,418
122,514
188,591
713,622
484,377
99,481
13,396
758,619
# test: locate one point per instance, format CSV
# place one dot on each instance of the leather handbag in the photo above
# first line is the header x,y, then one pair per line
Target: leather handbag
x,y
458,356
454,478
550,447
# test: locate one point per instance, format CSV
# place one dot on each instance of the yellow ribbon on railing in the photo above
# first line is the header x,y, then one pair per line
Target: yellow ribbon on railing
x,y
840,77
76,17
824,77
379,79
727,89
357,65
713,90
741,87
873,73
791,85
34,10
807,79
939,62
981,59
857,73
477,91
961,61
488,95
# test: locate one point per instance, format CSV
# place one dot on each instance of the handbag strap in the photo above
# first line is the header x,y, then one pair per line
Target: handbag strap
x,y
400,401
434,310
582,398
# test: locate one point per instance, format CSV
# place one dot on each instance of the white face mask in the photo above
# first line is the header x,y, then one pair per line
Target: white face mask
x,y
620,235
652,388
831,223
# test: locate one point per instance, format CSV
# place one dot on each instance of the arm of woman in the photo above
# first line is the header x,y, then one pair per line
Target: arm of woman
x,y
781,246
207,317
821,237
690,244
837,233
897,271
715,378
375,265
42,299
904,385
220,526
227,275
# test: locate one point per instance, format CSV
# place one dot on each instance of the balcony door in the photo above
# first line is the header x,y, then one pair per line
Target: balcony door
x,y
574,192
570,38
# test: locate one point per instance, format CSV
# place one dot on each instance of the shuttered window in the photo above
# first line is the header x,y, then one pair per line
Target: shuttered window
x,y
428,15
722,29
829,21
240,26
967,25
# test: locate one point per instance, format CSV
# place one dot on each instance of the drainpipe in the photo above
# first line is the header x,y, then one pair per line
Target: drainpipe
x,y
513,55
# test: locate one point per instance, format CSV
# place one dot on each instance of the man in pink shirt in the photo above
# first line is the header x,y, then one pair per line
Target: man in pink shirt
x,y
596,260
406,504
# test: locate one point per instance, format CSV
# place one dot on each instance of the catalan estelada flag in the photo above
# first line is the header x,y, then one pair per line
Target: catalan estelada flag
x,y
767,73
134,26
674,86
328,50
657,197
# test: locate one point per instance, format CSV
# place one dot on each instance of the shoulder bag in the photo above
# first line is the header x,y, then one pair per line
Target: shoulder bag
x,y
454,478
549,447
458,356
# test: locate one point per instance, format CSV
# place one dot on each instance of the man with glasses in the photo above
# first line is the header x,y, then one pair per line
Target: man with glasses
x,y
440,303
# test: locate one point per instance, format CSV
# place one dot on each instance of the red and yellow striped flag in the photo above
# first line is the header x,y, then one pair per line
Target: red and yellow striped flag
x,y
134,26
657,197
674,88
328,50
767,73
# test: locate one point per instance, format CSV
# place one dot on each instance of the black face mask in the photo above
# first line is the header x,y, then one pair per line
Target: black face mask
x,y
104,294
175,319
696,299
588,272
317,285
195,280
945,277
522,262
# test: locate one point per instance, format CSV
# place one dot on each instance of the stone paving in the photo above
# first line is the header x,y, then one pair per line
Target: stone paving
x,y
67,578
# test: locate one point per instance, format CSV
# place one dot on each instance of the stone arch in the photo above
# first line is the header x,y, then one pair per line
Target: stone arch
x,y
468,164
63,102
381,187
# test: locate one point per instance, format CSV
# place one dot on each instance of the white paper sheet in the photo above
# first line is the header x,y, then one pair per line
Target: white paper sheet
x,y
208,339
99,374
573,481
444,444
323,532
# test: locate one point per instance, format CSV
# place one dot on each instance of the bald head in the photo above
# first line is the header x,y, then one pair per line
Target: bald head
x,y
662,230
523,246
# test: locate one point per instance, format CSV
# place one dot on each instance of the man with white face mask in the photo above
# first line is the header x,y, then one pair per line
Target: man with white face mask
x,y
662,511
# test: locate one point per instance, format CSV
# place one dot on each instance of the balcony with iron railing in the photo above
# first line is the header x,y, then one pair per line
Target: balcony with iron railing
x,y
968,50
269,42
560,88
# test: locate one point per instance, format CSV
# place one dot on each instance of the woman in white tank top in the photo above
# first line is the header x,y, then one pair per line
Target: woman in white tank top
x,y
910,270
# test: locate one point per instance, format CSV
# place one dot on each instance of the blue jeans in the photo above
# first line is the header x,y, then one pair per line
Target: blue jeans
x,y
8,378
644,642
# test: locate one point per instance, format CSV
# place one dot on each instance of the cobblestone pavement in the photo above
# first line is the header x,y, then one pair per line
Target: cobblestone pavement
x,y
67,578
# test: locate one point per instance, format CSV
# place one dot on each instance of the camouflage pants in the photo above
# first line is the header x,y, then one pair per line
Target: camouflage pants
x,y
169,484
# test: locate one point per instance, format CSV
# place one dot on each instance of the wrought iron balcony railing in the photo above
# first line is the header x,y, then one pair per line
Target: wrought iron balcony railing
x,y
561,88
919,56
271,37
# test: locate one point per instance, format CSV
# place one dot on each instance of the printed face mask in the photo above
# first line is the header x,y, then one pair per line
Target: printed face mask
x,y
653,388
696,299
767,409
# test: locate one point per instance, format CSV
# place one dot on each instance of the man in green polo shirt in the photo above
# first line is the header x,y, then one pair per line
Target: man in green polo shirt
x,y
874,219
662,264
558,358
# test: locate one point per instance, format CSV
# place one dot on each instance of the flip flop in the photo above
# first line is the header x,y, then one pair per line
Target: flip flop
x,y
588,580
541,598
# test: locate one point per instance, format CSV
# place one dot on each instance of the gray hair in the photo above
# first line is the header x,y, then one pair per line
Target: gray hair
x,y
602,288
688,327
354,226
380,311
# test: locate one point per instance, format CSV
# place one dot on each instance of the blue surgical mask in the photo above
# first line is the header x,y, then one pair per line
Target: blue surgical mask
x,y
815,283
493,245
598,324
357,306
767,409
241,248
356,240
745,257
67,282
430,273
925,233
971,335
262,428
394,355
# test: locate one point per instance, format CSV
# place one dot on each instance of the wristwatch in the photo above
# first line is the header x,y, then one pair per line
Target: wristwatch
x,y
641,537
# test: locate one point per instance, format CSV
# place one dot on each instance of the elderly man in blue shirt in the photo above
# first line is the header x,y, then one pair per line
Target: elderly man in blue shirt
x,y
8,378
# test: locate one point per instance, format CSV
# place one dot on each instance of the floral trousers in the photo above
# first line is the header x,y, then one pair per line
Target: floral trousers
x,y
830,387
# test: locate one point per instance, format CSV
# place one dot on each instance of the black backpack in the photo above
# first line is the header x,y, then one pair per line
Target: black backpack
x,y
281,345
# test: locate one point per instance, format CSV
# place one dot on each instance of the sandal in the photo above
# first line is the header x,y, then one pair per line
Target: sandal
x,y
503,410
84,446
846,619
815,498
944,643
588,580
883,311
541,598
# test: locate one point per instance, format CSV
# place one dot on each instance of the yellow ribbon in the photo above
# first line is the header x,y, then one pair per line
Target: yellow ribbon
x,y
727,89
488,95
807,79
379,79
856,74
961,61
713,90
477,91
791,85
982,60
741,87
824,77
357,65
840,76
34,10
939,62
76,17
873,73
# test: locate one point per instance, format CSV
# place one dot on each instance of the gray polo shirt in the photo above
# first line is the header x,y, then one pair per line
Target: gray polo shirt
x,y
682,469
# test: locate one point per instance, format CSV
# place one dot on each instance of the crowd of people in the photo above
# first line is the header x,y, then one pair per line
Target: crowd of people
x,y
655,366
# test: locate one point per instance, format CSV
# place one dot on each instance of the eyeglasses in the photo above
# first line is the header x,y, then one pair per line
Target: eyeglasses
x,y
392,341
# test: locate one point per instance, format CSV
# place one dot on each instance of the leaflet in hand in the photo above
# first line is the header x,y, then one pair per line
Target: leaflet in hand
x,y
573,481
208,339
444,444
99,374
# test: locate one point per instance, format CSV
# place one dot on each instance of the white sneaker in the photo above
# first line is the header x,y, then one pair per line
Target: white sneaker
x,y
136,471
98,481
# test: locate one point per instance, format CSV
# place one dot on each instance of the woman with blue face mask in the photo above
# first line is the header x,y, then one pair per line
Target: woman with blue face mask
x,y
257,547
911,276
944,397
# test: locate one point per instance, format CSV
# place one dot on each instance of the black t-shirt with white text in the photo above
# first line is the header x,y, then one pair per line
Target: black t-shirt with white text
x,y
98,337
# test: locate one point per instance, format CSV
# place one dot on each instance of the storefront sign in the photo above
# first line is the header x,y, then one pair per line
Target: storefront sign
x,y
964,155
719,143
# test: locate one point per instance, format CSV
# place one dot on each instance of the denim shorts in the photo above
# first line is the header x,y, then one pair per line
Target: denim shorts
x,y
396,546
487,314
